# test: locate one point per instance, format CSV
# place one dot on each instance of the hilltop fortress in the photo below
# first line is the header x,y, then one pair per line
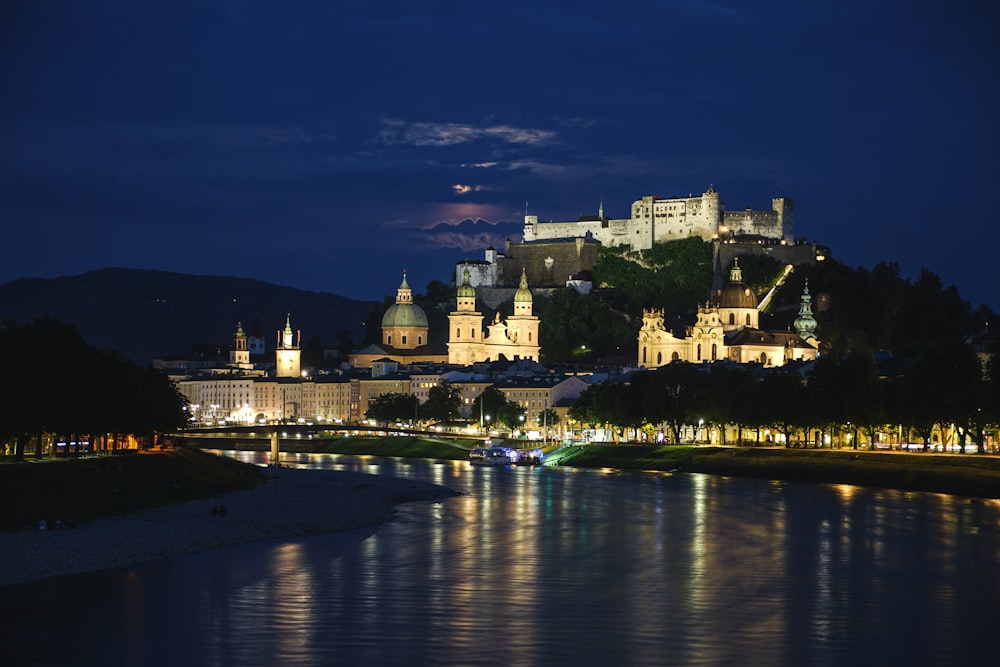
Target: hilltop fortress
x,y
553,254
658,220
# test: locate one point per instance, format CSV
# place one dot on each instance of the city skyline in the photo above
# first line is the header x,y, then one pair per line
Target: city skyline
x,y
328,148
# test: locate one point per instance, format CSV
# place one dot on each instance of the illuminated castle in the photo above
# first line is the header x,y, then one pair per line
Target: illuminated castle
x,y
658,220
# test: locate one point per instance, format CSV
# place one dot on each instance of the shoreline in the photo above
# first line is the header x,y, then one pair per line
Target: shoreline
x,y
290,502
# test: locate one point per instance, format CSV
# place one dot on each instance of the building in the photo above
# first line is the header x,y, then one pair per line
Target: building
x,y
656,219
288,353
728,329
515,338
404,335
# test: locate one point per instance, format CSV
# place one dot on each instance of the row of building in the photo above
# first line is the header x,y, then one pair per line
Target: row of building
x,y
503,354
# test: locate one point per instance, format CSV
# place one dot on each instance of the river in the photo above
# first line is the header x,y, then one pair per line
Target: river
x,y
551,566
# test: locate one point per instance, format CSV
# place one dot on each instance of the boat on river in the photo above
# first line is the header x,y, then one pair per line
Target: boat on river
x,y
492,456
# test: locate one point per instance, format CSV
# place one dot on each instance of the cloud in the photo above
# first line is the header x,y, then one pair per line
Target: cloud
x,y
468,235
452,134
461,189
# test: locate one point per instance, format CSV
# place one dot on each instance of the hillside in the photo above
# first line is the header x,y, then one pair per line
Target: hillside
x,y
144,314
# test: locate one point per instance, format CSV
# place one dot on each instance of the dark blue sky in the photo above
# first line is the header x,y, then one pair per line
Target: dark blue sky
x,y
328,145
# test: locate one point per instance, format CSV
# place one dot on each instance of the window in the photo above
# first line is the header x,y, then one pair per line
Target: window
x,y
644,355
714,350
732,318
458,332
748,319
659,358
420,340
698,357
404,340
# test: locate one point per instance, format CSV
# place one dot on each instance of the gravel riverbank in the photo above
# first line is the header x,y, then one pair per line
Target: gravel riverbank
x,y
289,503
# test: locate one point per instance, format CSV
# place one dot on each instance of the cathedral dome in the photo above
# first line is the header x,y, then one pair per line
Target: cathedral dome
x,y
736,294
404,315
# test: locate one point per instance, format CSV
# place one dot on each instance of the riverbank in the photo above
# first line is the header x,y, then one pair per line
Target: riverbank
x,y
281,502
969,475
955,474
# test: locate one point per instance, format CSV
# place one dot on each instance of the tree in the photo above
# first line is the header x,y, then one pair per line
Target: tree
x,y
55,383
671,396
444,402
494,406
392,407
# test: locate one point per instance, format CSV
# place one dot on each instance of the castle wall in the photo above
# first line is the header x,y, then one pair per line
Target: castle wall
x,y
546,264
480,273
658,220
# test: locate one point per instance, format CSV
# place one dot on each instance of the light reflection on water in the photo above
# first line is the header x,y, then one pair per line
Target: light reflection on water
x,y
552,566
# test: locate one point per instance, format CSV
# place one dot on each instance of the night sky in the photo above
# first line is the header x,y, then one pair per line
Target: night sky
x,y
328,145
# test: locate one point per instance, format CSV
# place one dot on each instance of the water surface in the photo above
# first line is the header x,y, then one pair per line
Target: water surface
x,y
539,566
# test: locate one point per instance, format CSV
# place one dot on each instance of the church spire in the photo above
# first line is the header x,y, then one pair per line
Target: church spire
x,y
805,323
404,294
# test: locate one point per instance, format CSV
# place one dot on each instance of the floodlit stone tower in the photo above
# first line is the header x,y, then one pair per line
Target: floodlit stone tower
x,y
465,326
239,355
522,326
288,355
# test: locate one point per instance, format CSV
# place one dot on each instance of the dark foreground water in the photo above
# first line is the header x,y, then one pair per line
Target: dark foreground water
x,y
539,566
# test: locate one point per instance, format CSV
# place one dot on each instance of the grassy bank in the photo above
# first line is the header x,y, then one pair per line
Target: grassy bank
x,y
404,446
88,488
963,475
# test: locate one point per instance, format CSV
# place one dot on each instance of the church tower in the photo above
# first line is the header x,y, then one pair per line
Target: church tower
x,y
239,354
522,326
805,323
465,326
288,355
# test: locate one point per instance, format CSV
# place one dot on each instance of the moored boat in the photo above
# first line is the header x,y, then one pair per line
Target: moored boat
x,y
493,456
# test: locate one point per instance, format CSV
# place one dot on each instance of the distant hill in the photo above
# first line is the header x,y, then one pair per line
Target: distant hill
x,y
145,314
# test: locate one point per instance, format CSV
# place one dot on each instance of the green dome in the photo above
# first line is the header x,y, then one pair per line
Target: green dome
x,y
404,315
523,294
465,290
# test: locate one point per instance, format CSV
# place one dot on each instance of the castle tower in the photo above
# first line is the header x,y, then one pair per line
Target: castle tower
x,y
805,323
785,208
239,355
709,217
288,355
530,227
404,325
465,326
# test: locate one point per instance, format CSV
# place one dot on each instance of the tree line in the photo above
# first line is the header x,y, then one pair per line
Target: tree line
x,y
55,383
443,404
848,398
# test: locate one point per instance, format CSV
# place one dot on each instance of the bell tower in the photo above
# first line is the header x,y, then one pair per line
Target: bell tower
x,y
288,355
239,355
465,326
